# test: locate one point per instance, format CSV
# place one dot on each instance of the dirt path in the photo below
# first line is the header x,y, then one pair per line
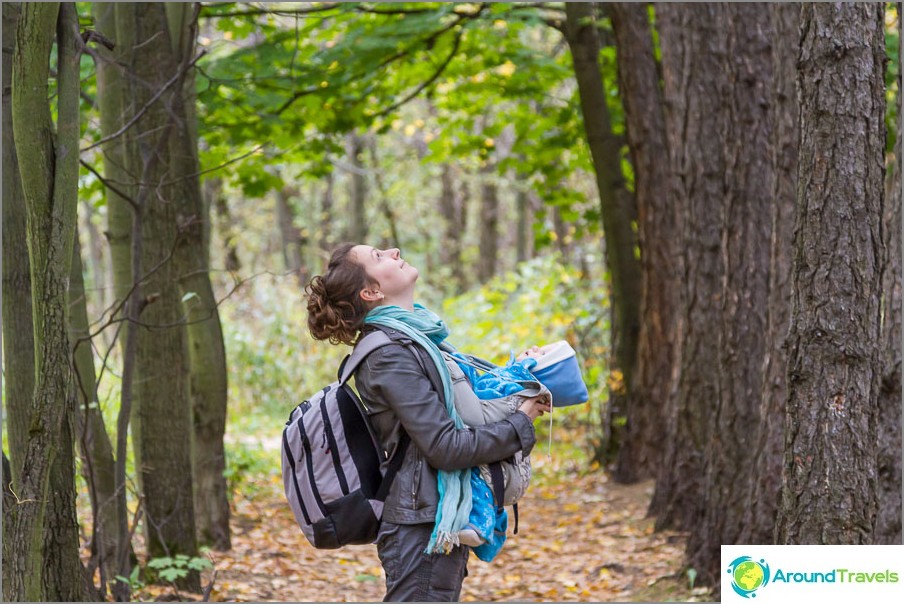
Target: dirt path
x,y
581,538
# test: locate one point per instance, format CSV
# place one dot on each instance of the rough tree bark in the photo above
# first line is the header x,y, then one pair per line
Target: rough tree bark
x,y
765,484
47,567
830,478
693,56
888,518
746,133
659,228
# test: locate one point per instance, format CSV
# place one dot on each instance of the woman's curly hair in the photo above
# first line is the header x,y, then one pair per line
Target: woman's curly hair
x,y
335,309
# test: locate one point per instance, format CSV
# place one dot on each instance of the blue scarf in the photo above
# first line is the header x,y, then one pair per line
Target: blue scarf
x,y
428,330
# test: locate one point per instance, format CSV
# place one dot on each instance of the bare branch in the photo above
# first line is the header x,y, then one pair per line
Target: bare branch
x,y
175,79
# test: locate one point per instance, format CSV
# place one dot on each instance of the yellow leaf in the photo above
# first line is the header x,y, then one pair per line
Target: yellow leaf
x,y
506,69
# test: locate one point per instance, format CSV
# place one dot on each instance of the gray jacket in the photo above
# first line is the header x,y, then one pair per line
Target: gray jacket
x,y
402,390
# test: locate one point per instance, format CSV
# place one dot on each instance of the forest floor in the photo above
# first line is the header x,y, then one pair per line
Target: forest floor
x,y
581,538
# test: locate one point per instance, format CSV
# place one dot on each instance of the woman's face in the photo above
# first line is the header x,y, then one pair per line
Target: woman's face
x,y
394,277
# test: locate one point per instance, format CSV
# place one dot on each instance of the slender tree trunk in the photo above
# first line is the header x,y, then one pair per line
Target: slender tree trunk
x,y
746,235
9,521
357,225
758,525
91,434
523,224
888,518
46,567
18,330
206,349
829,491
123,219
100,277
213,188
659,233
452,210
290,235
617,210
326,215
693,56
489,226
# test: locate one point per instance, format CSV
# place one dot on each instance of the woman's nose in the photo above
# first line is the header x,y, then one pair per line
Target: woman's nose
x,y
394,252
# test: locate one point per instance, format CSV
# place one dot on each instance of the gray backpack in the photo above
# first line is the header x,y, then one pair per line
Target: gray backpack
x,y
331,461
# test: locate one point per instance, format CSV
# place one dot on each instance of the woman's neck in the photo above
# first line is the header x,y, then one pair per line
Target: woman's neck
x,y
402,302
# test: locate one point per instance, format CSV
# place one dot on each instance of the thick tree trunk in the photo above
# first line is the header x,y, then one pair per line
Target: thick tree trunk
x,y
325,241
659,233
206,350
693,56
829,491
888,518
46,566
162,418
617,210
747,127
765,484
91,435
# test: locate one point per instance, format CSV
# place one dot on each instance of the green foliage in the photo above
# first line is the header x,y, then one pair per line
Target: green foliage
x,y
177,567
541,302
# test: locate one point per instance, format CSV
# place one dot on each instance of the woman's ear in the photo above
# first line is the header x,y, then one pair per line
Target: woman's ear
x,y
371,295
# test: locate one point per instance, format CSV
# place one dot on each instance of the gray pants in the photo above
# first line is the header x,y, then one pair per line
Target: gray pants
x,y
412,575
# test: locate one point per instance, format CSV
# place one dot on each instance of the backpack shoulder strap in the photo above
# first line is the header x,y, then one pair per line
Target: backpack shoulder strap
x,y
367,344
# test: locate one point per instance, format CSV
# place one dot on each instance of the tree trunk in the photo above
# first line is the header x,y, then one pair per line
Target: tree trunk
x,y
325,240
659,233
357,215
213,189
206,350
452,209
18,330
746,130
91,434
617,210
765,484
888,518
162,418
290,235
47,567
693,56
525,219
489,225
830,478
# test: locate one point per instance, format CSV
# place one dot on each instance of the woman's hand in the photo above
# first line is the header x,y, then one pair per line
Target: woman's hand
x,y
533,351
535,406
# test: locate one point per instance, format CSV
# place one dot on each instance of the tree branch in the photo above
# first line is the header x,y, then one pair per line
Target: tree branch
x,y
175,79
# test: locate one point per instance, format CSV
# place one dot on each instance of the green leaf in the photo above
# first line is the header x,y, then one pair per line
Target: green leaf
x,y
171,574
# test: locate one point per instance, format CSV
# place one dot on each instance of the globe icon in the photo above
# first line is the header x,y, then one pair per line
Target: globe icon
x,y
748,575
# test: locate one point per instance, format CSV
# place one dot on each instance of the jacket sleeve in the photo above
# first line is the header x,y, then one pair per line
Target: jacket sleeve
x,y
392,379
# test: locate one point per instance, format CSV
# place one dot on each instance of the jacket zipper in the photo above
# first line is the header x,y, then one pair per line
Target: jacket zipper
x,y
415,483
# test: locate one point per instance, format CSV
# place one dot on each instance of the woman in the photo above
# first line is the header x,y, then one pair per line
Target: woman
x,y
407,388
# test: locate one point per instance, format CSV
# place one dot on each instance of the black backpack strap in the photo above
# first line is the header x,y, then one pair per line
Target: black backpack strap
x,y
393,468
365,346
498,480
